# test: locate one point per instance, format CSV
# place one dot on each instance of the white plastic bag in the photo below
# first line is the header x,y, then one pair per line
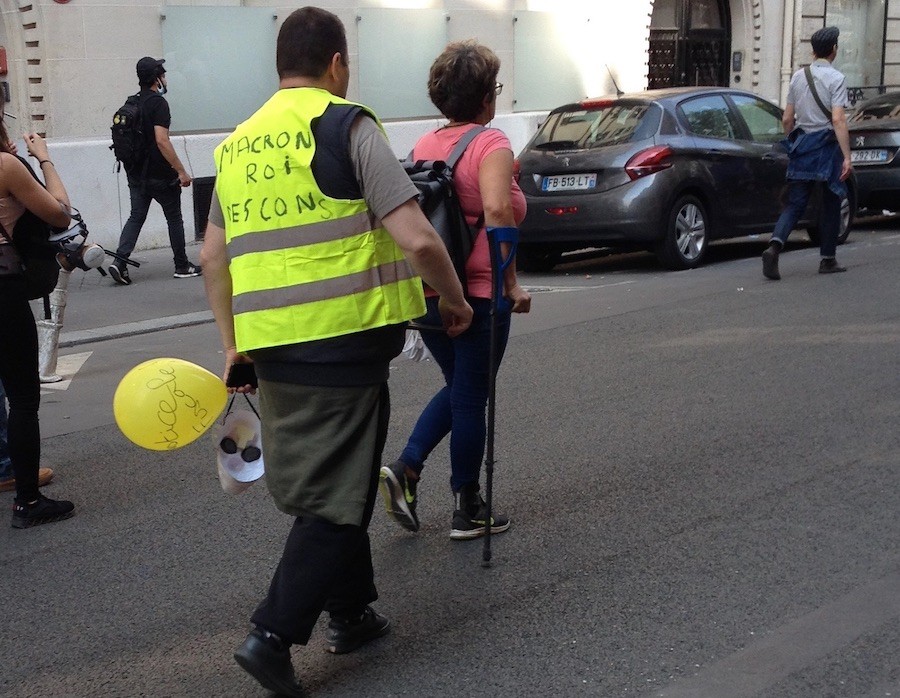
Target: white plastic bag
x,y
414,348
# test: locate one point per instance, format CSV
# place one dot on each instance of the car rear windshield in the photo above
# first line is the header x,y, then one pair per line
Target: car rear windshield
x,y
882,109
594,127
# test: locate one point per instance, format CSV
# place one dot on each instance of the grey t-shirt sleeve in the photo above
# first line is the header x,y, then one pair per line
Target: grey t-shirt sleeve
x,y
382,179
839,92
792,95
216,217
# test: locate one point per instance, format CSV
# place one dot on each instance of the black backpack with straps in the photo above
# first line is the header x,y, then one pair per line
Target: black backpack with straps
x,y
128,142
439,202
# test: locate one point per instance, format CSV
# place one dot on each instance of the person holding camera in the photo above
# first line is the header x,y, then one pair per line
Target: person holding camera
x,y
19,191
159,178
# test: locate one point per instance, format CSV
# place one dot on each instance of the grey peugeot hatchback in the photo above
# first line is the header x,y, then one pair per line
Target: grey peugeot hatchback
x,y
875,149
664,170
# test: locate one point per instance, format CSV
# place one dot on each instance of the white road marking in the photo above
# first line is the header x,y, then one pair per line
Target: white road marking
x,y
796,644
568,289
66,366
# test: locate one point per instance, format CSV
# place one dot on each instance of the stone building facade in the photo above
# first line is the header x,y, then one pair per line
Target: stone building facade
x,y
70,63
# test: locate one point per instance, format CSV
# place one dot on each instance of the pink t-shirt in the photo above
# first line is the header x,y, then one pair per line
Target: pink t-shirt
x,y
438,145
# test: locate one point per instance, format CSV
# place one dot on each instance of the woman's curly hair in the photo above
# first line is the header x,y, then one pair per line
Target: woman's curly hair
x,y
461,77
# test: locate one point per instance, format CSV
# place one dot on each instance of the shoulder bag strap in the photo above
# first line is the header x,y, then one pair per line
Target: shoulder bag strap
x,y
457,153
461,146
815,93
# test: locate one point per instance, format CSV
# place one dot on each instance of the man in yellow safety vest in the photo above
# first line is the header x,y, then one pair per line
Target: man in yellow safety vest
x,y
313,260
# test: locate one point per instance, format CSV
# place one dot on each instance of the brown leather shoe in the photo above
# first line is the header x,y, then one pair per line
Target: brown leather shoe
x,y
45,475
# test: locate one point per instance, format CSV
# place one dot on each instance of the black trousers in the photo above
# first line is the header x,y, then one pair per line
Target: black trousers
x,y
324,566
168,194
20,378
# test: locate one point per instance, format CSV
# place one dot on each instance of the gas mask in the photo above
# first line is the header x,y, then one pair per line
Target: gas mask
x,y
74,250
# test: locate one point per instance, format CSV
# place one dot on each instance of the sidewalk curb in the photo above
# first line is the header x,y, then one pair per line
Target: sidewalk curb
x,y
130,329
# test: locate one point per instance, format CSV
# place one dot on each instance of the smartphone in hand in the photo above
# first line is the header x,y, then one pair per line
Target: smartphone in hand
x,y
241,374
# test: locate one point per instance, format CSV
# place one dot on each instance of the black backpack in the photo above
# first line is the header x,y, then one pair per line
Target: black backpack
x,y
30,237
438,200
128,142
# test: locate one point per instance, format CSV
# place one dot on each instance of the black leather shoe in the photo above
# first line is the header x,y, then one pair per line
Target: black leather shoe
x,y
344,635
268,660
829,265
770,263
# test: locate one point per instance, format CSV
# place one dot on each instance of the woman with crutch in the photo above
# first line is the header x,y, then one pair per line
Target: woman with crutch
x,y
463,85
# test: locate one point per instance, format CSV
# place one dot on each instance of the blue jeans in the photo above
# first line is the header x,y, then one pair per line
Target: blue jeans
x,y
459,407
829,217
5,462
168,194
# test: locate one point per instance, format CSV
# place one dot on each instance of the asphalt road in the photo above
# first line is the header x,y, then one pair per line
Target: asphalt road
x,y
702,471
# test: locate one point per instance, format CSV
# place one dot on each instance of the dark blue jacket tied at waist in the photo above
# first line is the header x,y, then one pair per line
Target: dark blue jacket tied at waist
x,y
815,157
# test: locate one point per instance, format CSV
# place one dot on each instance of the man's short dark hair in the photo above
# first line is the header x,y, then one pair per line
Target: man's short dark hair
x,y
824,41
307,41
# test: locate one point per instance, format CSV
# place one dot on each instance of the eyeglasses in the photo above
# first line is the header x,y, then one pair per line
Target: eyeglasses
x,y
498,88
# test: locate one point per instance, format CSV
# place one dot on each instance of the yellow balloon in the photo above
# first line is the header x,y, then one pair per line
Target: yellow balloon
x,y
164,404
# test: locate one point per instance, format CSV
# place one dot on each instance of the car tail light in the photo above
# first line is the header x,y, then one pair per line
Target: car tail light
x,y
596,103
561,210
517,170
648,161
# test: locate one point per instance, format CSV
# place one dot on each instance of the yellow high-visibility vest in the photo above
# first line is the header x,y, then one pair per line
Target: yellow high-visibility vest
x,y
304,265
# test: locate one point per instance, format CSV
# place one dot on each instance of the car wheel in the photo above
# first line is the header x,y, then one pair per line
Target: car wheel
x,y
848,212
535,258
687,234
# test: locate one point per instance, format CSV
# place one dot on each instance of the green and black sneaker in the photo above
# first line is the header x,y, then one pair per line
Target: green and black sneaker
x,y
470,517
399,492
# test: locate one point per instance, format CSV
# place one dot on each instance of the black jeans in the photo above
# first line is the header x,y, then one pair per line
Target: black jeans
x,y
168,195
20,378
324,566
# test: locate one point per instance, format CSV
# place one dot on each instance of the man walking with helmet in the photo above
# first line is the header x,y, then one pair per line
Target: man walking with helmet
x,y
159,177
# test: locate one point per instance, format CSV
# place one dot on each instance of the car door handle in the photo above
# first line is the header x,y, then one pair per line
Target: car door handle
x,y
771,156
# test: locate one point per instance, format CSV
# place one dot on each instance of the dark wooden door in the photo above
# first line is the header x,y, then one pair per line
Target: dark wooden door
x,y
690,43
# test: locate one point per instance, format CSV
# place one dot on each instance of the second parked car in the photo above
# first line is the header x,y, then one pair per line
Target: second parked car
x,y
874,144
665,170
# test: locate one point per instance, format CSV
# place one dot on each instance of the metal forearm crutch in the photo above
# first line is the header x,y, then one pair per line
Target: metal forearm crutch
x,y
499,265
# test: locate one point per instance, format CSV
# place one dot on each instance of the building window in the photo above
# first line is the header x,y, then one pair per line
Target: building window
x,y
689,43
705,14
861,44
